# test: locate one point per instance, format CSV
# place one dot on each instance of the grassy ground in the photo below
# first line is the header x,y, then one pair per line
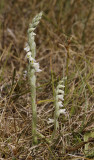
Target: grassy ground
x,y
65,47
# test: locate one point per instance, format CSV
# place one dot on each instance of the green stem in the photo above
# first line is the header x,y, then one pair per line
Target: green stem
x,y
56,125
32,80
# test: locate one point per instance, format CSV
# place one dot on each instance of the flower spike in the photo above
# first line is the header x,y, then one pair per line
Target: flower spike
x,y
33,67
59,98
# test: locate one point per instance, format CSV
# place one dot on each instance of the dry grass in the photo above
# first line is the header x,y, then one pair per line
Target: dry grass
x,y
65,44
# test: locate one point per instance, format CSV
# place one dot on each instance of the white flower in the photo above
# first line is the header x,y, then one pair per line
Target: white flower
x,y
60,104
60,91
36,23
27,48
28,54
32,34
60,86
31,30
31,59
50,120
38,70
62,81
36,67
62,111
61,97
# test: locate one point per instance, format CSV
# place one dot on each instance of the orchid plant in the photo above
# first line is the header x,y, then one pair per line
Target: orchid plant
x,y
58,99
33,67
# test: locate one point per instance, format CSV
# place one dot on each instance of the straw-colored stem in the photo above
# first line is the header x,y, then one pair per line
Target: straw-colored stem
x,y
67,70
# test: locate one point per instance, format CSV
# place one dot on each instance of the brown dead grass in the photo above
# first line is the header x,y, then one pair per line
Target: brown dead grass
x,y
65,44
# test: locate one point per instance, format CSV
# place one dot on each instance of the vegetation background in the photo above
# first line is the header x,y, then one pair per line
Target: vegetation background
x,y
65,46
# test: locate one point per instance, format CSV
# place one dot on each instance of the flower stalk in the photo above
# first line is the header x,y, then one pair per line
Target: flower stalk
x,y
33,67
58,99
